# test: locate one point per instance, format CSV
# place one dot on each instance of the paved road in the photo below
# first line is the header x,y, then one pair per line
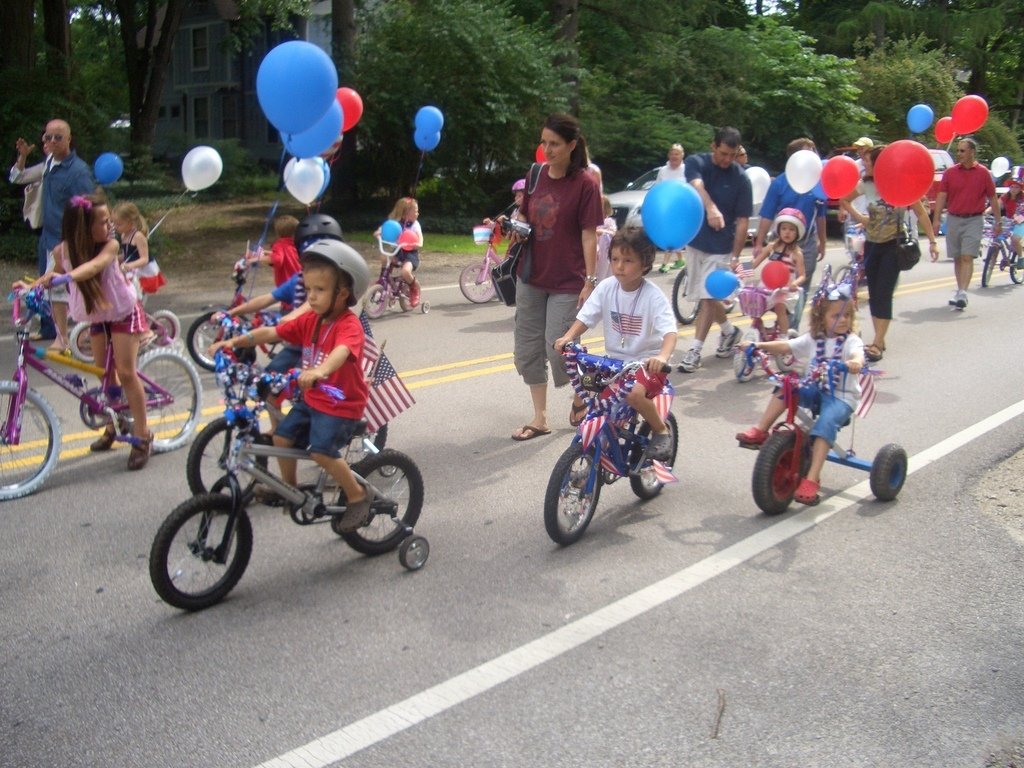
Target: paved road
x,y
688,630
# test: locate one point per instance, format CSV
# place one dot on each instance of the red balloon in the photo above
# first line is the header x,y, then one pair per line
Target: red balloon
x,y
904,172
839,176
775,274
969,114
408,241
539,154
351,107
944,130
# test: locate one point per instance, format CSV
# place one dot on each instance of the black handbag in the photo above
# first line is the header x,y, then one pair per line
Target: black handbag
x,y
908,248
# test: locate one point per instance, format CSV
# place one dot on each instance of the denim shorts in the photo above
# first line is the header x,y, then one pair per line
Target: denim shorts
x,y
322,433
285,359
832,413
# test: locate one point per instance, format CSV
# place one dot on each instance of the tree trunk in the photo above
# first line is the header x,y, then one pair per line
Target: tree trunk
x,y
56,37
16,18
343,49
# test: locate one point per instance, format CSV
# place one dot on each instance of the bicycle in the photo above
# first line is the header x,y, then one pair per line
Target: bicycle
x,y
1000,253
203,546
783,459
683,308
475,280
854,239
753,301
164,324
208,455
30,432
610,443
390,288
206,330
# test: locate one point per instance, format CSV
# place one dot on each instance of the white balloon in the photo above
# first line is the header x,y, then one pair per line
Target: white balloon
x,y
201,168
304,178
803,170
1000,166
759,182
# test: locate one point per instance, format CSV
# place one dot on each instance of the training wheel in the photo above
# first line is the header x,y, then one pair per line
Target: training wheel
x,y
424,307
888,472
413,552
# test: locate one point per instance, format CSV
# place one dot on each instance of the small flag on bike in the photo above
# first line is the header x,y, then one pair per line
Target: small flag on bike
x,y
867,393
745,270
388,396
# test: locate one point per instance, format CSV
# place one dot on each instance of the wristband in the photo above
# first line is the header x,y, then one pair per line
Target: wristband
x,y
592,279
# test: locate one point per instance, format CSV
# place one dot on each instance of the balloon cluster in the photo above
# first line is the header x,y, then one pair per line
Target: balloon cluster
x,y
307,178
296,86
967,116
428,124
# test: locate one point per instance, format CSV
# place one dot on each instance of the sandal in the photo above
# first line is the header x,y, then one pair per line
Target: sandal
x,y
104,441
139,456
807,492
873,353
576,414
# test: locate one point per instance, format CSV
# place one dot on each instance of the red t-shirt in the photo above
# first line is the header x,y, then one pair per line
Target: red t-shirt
x,y
284,258
1011,205
968,190
559,210
343,331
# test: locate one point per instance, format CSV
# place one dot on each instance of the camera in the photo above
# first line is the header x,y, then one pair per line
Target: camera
x,y
515,227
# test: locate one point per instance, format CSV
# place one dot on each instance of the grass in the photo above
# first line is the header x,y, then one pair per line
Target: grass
x,y
456,245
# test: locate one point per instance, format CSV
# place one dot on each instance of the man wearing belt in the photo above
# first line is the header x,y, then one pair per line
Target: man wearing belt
x,y
967,187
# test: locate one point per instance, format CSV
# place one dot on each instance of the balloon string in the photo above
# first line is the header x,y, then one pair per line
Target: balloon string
x,y
173,206
419,169
259,243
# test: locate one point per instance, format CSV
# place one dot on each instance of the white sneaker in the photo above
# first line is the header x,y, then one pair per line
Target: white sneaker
x,y
691,362
954,298
961,299
726,342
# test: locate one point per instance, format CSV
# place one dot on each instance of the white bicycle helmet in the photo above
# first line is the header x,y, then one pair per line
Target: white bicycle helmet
x,y
345,258
790,216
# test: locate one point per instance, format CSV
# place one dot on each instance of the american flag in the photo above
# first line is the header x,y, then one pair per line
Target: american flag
x,y
867,392
388,396
745,270
627,325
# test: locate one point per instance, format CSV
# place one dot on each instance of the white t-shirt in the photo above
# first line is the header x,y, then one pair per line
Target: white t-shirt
x,y
634,323
668,172
804,349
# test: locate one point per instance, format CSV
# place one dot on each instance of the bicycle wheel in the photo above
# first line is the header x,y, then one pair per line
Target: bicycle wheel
x,y
777,471
80,341
195,561
201,334
357,453
173,418
376,301
207,457
740,368
397,477
476,285
568,504
888,472
684,309
989,265
1016,268
646,485
165,324
25,466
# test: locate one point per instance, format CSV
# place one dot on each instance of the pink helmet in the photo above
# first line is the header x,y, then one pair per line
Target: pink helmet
x,y
791,216
519,185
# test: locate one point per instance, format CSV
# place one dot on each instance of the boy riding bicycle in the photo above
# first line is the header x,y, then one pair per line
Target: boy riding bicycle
x,y
332,350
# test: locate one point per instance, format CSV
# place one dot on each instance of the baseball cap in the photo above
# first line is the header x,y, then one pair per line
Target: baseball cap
x,y
864,142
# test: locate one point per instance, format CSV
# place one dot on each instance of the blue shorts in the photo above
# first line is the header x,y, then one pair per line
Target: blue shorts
x,y
413,257
832,413
285,359
322,433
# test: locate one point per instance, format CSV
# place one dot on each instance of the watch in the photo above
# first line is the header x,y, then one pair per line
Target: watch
x,y
592,279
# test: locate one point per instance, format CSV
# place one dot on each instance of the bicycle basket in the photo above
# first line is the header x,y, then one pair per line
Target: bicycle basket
x,y
753,301
481,235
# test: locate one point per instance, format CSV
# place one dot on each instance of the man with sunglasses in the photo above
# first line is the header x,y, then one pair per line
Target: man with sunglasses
x,y
63,175
968,188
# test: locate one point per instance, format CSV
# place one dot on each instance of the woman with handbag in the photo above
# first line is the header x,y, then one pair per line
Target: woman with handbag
x,y
559,270
883,224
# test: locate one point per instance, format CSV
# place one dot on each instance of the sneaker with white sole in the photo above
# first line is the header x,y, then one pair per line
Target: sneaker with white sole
x,y
727,341
954,298
691,362
961,299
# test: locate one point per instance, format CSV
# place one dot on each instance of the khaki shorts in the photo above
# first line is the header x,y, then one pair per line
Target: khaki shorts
x,y
701,265
963,236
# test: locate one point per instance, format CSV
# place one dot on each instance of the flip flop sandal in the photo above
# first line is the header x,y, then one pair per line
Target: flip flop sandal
x,y
872,353
528,432
576,414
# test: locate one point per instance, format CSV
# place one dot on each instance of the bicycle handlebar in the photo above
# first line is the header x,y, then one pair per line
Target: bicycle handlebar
x,y
595,373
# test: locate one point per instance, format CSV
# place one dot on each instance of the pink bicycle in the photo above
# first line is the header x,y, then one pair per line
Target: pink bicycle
x,y
475,280
390,288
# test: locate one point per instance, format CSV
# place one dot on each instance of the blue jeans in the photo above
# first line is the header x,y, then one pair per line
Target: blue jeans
x,y
832,413
322,433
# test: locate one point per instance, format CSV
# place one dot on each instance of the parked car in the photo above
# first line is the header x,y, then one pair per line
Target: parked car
x,y
627,201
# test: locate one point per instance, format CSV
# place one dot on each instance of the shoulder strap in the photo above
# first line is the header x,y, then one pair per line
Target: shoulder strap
x,y
533,177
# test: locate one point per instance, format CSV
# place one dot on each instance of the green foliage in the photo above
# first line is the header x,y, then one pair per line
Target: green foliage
x,y
487,70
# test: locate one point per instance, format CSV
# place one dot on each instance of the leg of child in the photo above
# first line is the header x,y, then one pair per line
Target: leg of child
x,y
407,274
819,451
781,319
638,400
126,352
834,413
288,467
357,498
60,320
757,434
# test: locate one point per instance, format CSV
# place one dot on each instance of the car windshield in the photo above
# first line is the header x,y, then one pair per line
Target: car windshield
x,y
646,181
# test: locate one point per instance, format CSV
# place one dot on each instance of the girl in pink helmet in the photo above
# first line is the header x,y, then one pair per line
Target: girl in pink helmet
x,y
788,227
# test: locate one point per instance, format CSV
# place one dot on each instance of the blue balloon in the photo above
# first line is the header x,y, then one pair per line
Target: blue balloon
x,y
327,177
390,231
296,84
429,120
721,284
672,214
919,118
426,141
317,139
108,168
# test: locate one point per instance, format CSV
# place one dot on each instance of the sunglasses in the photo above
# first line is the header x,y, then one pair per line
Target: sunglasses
x,y
53,137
